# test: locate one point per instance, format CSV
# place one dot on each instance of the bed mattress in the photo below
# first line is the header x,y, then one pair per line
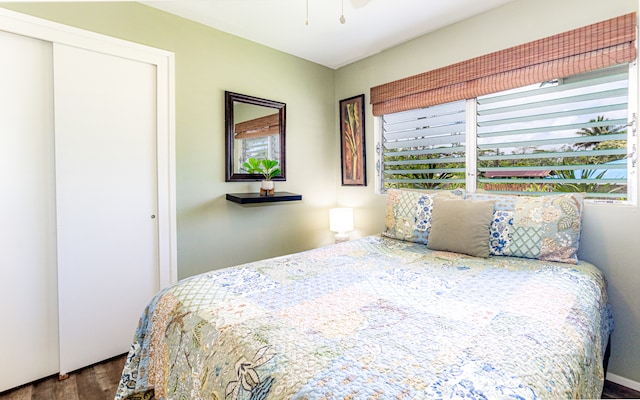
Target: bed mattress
x,y
375,318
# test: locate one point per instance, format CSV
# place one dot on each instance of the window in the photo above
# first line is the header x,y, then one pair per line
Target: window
x,y
425,148
566,135
260,147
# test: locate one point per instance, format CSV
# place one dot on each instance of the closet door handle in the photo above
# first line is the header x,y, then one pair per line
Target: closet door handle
x,y
153,216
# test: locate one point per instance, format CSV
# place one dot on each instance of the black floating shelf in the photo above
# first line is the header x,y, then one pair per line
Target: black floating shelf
x,y
254,198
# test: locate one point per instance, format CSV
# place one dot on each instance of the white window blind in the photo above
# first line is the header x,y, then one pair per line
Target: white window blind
x,y
260,148
568,135
424,148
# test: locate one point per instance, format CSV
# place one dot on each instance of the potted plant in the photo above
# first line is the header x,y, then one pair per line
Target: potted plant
x,y
268,169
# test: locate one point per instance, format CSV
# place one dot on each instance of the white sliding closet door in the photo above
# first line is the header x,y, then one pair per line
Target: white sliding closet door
x,y
28,299
106,174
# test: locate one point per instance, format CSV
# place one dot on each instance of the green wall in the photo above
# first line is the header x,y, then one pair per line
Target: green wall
x,y
610,237
213,233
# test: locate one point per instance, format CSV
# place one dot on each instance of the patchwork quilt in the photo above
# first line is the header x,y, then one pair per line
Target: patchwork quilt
x,y
375,318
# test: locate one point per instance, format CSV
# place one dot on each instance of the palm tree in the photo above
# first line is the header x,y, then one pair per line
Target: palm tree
x,y
597,131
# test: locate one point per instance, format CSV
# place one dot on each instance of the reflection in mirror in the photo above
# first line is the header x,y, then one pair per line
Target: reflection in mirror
x,y
255,128
256,136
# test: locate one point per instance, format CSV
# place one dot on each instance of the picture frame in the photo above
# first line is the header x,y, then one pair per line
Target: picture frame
x,y
352,141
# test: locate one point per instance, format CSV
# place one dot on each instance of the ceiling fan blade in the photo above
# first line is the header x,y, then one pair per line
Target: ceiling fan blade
x,y
359,3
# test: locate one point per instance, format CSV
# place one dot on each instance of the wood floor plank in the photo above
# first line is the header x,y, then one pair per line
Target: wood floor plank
x,y
67,388
85,384
615,391
108,374
44,390
100,381
96,382
23,393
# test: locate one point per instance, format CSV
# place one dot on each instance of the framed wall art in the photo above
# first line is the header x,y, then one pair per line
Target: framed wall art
x,y
352,146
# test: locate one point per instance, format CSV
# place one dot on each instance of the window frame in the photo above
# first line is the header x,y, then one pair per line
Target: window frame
x,y
471,154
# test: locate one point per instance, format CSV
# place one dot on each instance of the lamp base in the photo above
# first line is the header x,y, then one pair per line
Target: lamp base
x,y
342,237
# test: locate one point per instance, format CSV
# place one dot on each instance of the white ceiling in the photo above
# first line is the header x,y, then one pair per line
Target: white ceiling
x,y
371,25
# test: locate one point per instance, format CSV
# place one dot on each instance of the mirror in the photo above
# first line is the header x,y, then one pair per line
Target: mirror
x,y
254,128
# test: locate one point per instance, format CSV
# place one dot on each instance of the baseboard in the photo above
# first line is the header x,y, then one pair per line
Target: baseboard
x,y
623,381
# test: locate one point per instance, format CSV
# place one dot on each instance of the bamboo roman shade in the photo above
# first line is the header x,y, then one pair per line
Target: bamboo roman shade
x,y
258,127
574,52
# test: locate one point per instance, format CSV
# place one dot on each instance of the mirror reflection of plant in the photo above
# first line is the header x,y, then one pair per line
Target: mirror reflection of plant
x,y
265,167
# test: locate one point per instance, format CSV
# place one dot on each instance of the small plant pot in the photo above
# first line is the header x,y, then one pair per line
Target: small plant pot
x,y
267,188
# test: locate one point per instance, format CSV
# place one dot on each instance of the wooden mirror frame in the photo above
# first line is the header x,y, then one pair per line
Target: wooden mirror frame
x,y
230,99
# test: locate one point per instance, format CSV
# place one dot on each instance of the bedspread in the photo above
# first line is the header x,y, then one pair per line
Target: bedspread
x,y
374,318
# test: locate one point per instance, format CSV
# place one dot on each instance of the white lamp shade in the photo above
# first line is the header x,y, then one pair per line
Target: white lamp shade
x,y
341,219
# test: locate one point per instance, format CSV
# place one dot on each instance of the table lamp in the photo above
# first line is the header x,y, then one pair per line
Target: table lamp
x,y
341,222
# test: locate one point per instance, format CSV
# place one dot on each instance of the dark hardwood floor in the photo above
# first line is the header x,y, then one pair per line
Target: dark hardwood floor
x,y
96,382
100,381
615,391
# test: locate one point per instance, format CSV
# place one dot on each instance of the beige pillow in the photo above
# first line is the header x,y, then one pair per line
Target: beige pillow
x,y
461,226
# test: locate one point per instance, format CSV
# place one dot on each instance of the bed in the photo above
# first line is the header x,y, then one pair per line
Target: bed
x,y
387,317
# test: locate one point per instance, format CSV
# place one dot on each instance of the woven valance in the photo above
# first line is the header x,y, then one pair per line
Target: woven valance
x,y
592,47
259,127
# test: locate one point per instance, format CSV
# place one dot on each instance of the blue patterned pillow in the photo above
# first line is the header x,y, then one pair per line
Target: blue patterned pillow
x,y
408,213
540,227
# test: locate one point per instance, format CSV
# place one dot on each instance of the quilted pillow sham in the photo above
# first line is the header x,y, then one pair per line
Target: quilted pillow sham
x,y
541,227
408,213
